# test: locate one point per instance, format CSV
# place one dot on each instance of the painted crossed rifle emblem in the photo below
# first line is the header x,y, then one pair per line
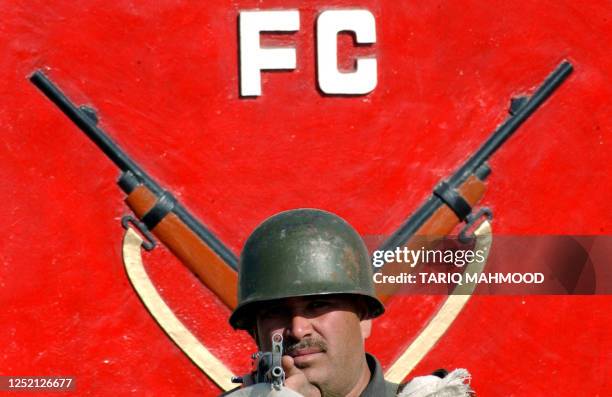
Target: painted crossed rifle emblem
x,y
158,213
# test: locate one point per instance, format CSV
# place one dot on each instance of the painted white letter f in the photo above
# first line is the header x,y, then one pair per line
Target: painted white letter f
x,y
253,58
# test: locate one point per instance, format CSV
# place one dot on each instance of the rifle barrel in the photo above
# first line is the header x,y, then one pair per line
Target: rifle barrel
x,y
88,125
492,144
501,135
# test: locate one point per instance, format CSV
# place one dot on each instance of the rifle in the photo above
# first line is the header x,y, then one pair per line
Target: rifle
x,y
266,366
156,209
452,199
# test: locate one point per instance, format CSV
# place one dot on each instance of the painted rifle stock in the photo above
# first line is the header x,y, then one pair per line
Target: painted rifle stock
x,y
452,199
196,246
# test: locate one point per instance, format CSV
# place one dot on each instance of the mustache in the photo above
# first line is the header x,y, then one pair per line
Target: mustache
x,y
307,343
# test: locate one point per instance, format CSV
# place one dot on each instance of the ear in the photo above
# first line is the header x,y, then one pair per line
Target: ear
x,y
366,328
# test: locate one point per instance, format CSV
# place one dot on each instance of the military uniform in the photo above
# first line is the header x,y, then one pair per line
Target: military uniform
x,y
378,386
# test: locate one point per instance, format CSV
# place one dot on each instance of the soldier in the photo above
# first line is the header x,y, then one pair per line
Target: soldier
x,y
306,274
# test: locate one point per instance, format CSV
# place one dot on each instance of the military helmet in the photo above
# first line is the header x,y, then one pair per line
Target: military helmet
x,y
302,252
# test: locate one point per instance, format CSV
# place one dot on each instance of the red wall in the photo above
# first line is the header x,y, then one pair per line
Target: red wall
x,y
164,78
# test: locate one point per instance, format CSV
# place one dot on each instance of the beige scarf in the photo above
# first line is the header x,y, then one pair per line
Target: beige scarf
x,y
455,384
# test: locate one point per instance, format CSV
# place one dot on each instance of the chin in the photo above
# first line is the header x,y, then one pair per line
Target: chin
x,y
315,374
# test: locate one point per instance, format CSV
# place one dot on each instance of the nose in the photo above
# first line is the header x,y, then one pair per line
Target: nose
x,y
299,327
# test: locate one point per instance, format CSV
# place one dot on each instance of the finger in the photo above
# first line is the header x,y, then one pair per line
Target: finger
x,y
296,380
294,377
289,366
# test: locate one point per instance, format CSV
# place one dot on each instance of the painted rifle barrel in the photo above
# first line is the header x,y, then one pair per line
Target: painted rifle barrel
x,y
88,125
476,162
501,134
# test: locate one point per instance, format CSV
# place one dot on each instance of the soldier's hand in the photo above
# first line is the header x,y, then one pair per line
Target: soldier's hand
x,y
296,380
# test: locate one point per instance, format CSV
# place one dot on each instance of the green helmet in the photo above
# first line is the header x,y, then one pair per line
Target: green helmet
x,y
302,252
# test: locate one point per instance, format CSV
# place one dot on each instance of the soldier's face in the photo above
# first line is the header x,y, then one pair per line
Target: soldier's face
x,y
324,335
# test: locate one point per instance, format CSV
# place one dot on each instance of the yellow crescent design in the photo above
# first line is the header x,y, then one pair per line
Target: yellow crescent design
x,y
445,316
166,319
221,375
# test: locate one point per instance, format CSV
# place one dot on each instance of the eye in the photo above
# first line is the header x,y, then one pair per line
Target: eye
x,y
319,304
272,312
